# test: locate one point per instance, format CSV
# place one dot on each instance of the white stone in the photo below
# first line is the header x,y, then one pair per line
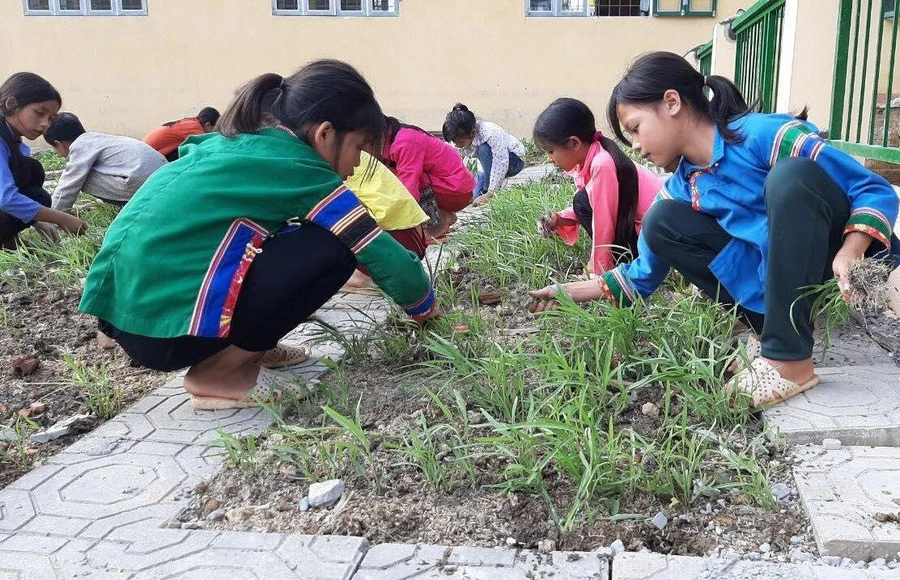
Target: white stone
x,y
831,444
59,429
781,491
325,493
765,547
660,520
616,548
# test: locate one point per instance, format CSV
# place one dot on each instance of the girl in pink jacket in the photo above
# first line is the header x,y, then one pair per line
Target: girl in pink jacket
x,y
431,170
613,192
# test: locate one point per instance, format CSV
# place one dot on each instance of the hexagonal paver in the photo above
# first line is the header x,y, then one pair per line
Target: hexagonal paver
x,y
171,419
843,491
858,405
402,561
203,555
630,566
348,301
103,486
850,346
16,509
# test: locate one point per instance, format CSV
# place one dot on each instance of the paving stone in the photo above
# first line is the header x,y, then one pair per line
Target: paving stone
x,y
637,566
16,509
850,346
842,491
173,420
55,526
347,301
400,561
99,487
859,405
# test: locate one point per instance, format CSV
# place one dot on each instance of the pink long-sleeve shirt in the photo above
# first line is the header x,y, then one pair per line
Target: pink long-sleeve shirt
x,y
598,177
420,160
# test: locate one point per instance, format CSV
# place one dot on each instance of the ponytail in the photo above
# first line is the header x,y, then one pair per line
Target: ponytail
x,y
651,75
247,110
460,122
566,118
625,241
324,90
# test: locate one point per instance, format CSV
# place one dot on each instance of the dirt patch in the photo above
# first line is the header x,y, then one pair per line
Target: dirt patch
x,y
45,325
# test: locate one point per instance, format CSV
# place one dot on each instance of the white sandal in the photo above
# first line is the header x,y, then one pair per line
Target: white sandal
x,y
752,351
270,385
765,386
284,356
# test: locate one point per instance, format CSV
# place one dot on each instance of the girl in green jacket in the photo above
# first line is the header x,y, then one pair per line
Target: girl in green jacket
x,y
223,252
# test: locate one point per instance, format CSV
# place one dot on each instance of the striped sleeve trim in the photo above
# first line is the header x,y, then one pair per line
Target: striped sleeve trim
x,y
796,139
616,287
344,215
664,193
872,222
424,308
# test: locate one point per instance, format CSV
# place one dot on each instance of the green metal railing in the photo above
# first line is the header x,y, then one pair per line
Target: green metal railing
x,y
857,101
704,56
758,34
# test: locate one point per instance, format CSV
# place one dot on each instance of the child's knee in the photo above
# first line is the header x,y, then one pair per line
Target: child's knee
x,y
659,222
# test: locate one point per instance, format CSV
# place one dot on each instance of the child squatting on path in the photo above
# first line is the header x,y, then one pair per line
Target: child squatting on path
x,y
759,207
499,153
109,167
217,288
613,192
28,104
432,171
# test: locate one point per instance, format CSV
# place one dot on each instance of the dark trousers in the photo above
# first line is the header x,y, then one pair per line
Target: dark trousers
x,y
293,276
807,212
30,182
583,211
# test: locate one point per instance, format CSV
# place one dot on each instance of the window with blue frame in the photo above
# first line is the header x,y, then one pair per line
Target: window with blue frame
x,y
335,7
620,7
85,7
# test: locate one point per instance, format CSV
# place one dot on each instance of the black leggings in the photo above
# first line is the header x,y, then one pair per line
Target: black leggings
x,y
807,212
31,185
581,205
294,275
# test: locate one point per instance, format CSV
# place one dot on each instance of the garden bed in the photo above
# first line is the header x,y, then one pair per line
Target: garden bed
x,y
490,426
40,287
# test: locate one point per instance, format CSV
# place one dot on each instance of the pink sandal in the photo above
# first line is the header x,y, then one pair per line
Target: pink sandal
x,y
270,386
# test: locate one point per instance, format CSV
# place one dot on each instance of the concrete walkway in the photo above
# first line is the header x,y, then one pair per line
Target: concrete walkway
x,y
99,509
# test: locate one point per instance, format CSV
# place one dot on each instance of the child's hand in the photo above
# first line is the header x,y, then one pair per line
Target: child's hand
x,y
47,231
72,224
545,298
546,225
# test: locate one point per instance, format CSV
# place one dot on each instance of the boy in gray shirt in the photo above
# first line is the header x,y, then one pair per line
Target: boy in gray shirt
x,y
109,167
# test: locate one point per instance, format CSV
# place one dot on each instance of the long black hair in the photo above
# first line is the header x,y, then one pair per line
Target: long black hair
x,y
460,122
654,73
26,88
566,118
324,90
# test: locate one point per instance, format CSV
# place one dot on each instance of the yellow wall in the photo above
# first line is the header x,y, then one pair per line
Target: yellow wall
x,y
128,74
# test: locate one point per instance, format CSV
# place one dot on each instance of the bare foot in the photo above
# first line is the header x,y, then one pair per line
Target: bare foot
x,y
359,280
229,374
104,342
442,228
